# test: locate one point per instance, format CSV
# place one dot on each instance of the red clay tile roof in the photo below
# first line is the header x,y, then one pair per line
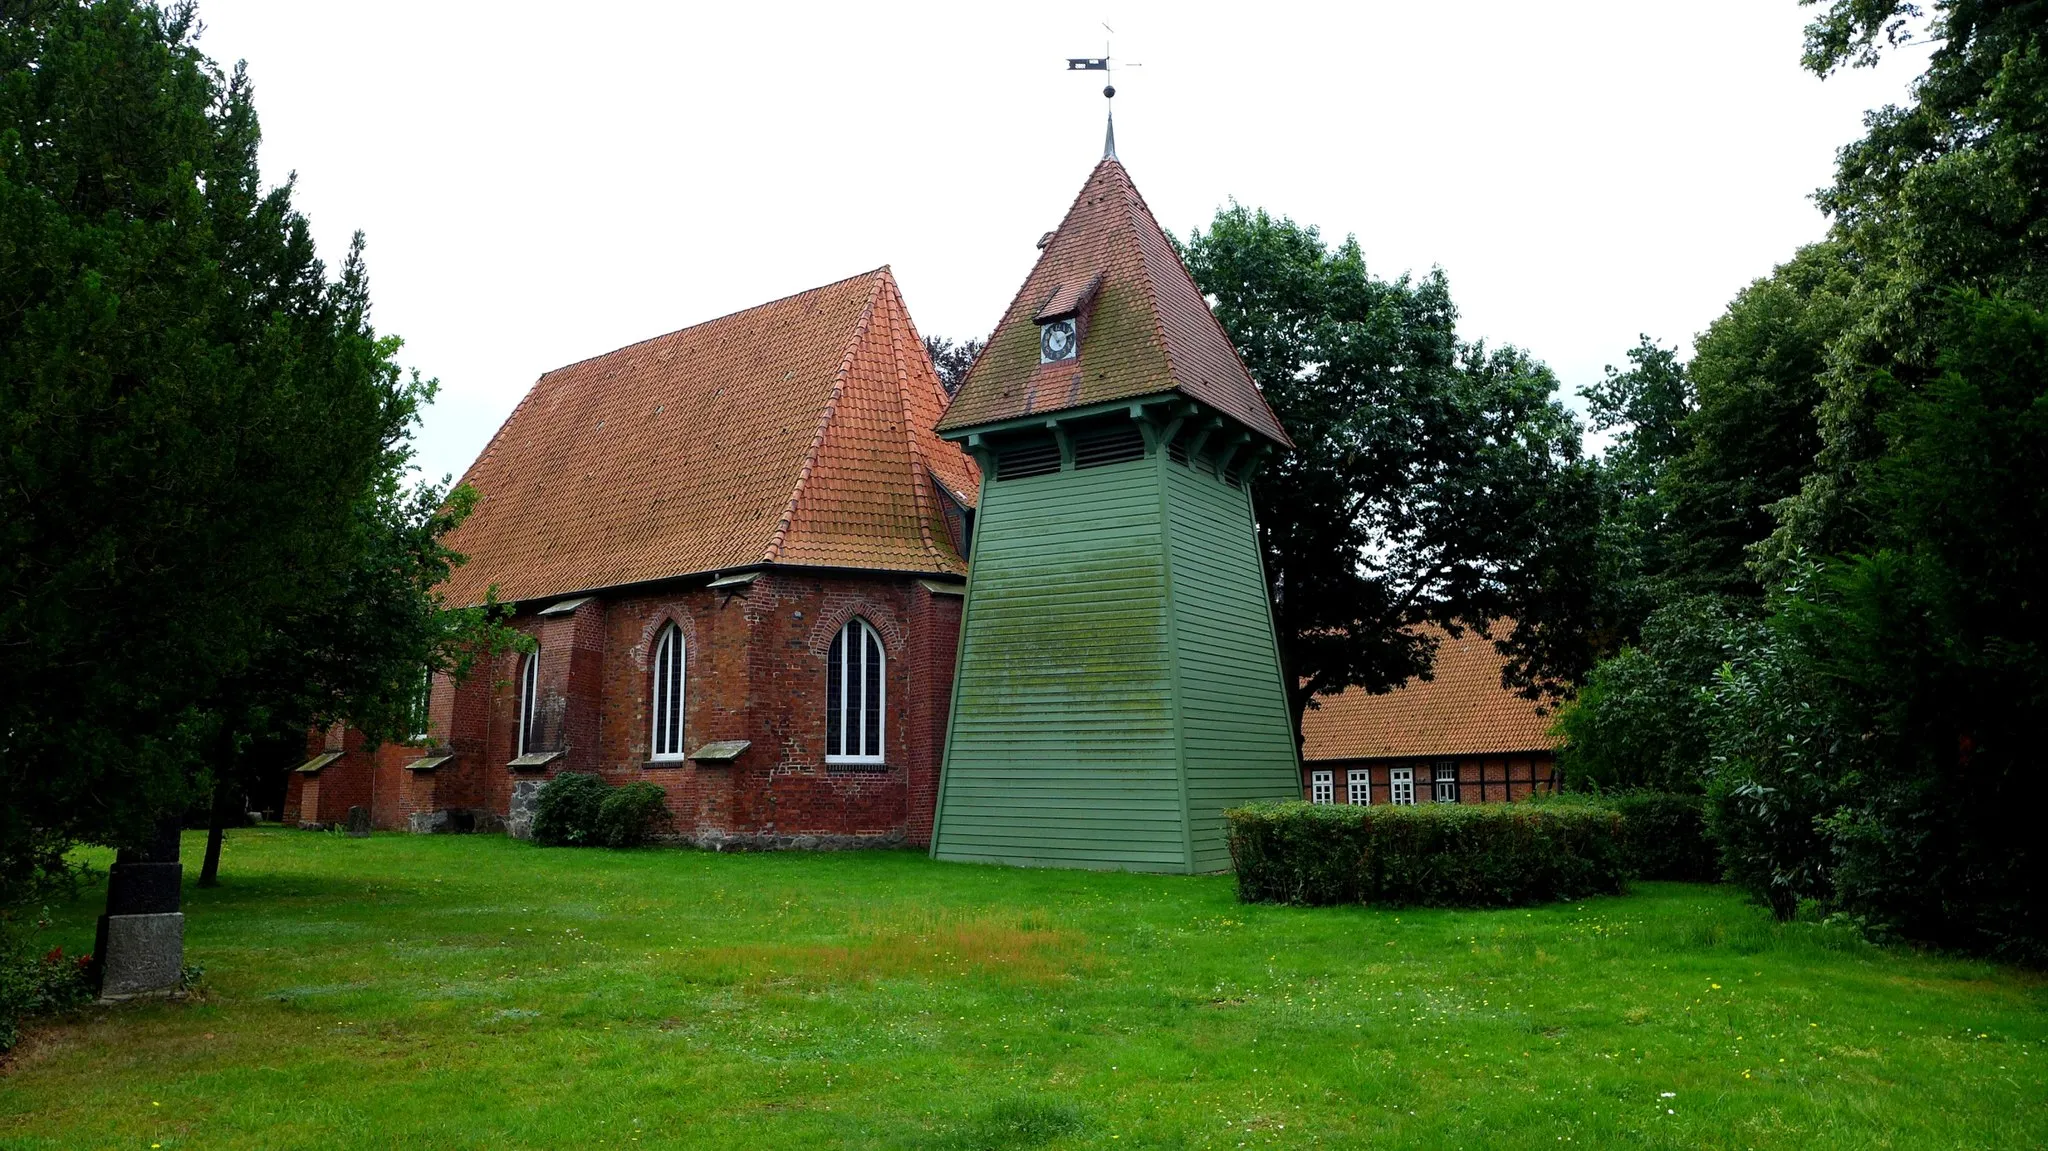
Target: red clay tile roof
x,y
1462,711
796,432
1147,331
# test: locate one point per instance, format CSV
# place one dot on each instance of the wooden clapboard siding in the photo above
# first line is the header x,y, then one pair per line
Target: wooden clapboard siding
x,y
1118,683
1061,748
1237,739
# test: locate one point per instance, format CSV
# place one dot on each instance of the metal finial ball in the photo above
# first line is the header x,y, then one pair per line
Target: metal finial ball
x,y
1108,90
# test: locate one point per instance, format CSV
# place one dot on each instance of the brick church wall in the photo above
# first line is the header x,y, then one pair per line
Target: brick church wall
x,y
374,779
755,670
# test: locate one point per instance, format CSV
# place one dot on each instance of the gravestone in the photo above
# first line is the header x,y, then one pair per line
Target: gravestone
x,y
359,823
140,947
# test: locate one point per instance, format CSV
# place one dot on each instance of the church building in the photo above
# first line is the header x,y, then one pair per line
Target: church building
x,y
739,550
741,553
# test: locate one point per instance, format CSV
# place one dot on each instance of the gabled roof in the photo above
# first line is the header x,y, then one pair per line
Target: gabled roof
x,y
1146,331
796,432
1462,710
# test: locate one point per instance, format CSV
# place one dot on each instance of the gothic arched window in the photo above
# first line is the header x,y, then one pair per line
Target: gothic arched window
x,y
668,694
529,700
853,696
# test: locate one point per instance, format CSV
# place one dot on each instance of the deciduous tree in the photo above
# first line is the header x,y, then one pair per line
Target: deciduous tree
x,y
1434,481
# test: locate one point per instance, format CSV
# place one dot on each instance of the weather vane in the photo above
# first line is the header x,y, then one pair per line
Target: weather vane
x,y
1101,64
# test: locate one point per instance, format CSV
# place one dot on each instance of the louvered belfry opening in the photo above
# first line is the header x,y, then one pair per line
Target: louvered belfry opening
x,y
1033,454
1116,442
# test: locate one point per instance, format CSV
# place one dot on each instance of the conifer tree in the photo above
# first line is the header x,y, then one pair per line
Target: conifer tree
x,y
204,533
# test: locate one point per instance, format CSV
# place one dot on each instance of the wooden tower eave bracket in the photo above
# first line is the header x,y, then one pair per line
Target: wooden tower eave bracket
x,y
1159,421
1065,441
1258,460
1235,444
984,455
1210,427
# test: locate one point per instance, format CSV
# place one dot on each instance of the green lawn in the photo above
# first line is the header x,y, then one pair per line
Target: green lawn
x,y
476,992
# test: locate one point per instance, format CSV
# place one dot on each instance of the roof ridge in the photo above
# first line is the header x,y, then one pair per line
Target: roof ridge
x,y
491,445
920,477
1134,205
1044,253
810,460
736,312
1174,249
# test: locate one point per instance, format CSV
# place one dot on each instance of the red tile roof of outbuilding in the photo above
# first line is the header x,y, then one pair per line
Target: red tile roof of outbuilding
x,y
1147,331
1463,710
796,432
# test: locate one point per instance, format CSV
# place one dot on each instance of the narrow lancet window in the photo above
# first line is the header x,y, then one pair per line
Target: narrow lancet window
x,y
668,694
853,696
529,701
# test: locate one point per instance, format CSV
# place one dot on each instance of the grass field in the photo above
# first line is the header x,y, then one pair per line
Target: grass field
x,y
477,992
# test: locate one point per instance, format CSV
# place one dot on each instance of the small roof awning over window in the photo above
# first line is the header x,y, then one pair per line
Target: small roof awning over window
x,y
1068,299
721,751
319,761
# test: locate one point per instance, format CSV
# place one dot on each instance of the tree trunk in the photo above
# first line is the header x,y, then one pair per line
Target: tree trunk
x,y
216,830
1297,706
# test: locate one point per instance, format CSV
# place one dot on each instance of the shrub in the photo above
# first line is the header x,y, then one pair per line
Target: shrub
x,y
632,815
565,813
1666,836
36,983
1462,855
1639,720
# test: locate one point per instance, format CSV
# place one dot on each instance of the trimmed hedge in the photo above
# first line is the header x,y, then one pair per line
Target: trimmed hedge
x,y
1429,855
1667,836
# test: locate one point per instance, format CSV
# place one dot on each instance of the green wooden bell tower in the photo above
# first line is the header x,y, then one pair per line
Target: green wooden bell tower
x,y
1119,681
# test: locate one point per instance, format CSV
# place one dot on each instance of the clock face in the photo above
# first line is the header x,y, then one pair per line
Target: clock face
x,y
1056,341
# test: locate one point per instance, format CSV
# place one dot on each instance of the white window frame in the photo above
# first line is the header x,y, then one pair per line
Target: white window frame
x,y
1358,786
856,636
424,717
1401,785
1444,780
668,689
529,697
1321,789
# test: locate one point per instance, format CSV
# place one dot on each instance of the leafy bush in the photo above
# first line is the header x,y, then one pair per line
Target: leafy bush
x,y
1433,855
1777,763
36,983
565,813
632,815
1666,836
575,809
1640,721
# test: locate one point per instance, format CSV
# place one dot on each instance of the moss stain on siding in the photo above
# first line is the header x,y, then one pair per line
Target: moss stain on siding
x,y
1097,600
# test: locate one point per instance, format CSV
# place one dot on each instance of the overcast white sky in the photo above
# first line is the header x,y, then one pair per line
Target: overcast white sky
x,y
543,183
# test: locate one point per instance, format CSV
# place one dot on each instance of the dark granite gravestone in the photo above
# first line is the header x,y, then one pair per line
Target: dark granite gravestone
x,y
140,948
359,823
